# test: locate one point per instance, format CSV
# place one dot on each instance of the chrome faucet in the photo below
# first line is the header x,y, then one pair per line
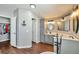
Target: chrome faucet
x,y
71,37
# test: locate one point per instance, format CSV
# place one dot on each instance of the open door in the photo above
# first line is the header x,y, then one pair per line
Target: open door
x,y
13,32
36,30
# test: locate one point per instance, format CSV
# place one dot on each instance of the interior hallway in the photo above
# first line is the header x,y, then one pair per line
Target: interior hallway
x,y
6,48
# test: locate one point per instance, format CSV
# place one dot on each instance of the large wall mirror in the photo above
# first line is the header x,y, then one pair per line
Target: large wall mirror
x,y
70,22
60,25
64,24
50,26
75,17
75,24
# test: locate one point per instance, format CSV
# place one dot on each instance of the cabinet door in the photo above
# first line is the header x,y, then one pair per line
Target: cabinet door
x,y
49,39
69,47
13,32
44,38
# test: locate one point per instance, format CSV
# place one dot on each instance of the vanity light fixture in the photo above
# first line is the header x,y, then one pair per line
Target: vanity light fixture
x,y
75,12
59,23
32,6
53,22
62,19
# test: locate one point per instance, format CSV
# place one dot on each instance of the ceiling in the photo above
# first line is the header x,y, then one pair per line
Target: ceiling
x,y
41,10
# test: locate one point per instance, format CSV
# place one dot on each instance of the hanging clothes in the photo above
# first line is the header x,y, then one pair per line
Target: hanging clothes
x,y
3,28
6,29
0,29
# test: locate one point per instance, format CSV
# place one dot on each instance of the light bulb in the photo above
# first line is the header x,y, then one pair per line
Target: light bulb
x,y
73,14
58,23
77,12
32,5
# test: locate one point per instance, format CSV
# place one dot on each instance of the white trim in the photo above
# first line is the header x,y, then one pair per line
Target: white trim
x,y
4,40
13,45
29,46
6,16
37,41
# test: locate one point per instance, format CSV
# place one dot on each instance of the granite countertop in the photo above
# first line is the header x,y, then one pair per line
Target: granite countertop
x,y
65,36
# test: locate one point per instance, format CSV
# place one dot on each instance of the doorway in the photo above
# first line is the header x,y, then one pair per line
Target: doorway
x,y
4,29
35,30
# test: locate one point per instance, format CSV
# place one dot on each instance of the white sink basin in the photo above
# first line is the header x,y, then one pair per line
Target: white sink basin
x,y
70,38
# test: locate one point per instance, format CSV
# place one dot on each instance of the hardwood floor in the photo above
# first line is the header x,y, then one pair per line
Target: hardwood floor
x,y
6,48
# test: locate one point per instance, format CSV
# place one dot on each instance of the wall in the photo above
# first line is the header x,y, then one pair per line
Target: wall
x,y
44,38
34,30
4,20
37,30
24,33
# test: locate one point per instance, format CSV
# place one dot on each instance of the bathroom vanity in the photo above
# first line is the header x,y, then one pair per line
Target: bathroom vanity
x,y
69,46
67,29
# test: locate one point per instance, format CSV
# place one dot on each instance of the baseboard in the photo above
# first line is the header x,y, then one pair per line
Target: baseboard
x,y
36,42
45,43
4,40
29,46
